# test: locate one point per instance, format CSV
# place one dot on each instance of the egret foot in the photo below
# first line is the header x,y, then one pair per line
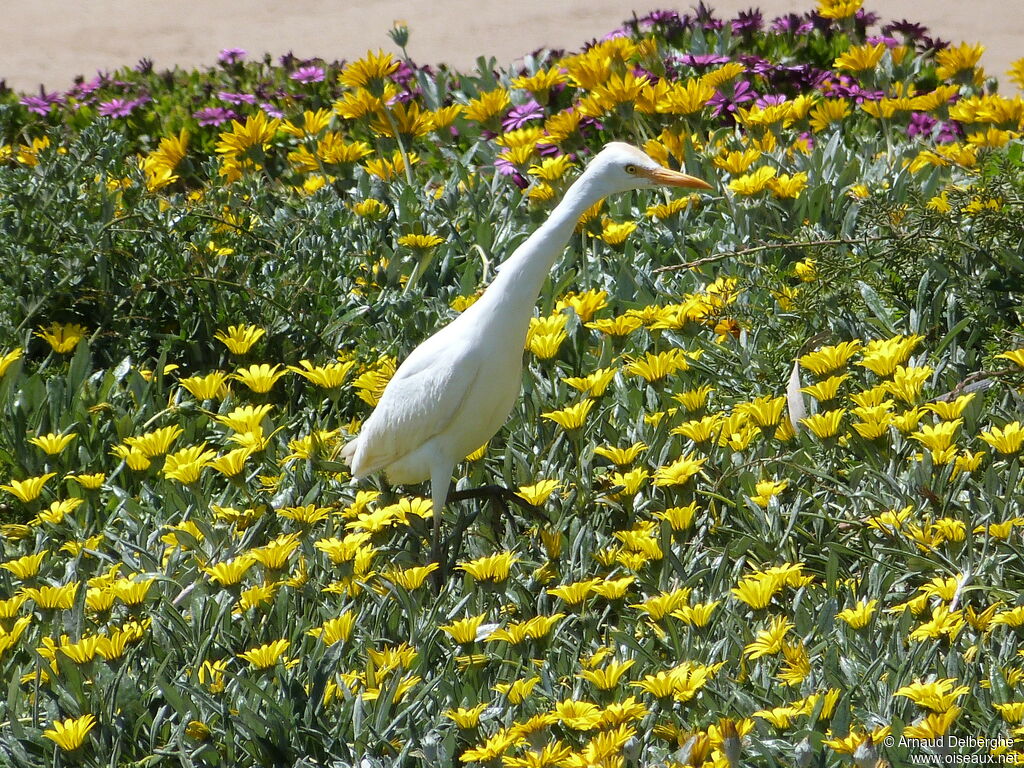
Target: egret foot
x,y
499,496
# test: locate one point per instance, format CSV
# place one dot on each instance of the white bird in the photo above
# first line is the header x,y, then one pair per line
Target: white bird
x,y
455,390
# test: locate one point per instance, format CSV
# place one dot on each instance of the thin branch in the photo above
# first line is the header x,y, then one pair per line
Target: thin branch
x,y
770,246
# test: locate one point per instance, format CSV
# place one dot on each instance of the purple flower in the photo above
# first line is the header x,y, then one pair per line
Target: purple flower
x,y
909,29
748,22
41,104
725,106
932,44
231,55
700,60
271,110
236,98
770,100
705,17
756,65
505,168
792,23
214,115
522,114
307,75
120,107
890,42
921,123
949,131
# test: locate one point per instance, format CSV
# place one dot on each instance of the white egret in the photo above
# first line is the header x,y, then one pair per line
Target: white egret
x,y
455,390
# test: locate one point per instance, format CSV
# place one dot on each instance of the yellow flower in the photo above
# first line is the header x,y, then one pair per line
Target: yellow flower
x,y
858,616
615,233
620,456
467,717
539,492
6,361
70,734
938,437
230,571
763,411
571,417
838,9
594,384
1007,439
231,463
788,186
257,131
736,163
62,338
948,410
825,424
493,568
951,61
28,489
54,598
654,367
694,399
938,695
826,390
208,387
756,590
337,630
371,208
265,655
752,183
25,567
623,325
52,444
487,105
828,111
420,242
768,490
186,464
155,443
259,378
679,471
907,382
827,359
883,356
239,338
368,71
465,630
769,641
861,57
329,376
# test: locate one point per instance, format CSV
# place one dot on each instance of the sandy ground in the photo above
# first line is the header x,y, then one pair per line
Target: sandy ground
x,y
51,41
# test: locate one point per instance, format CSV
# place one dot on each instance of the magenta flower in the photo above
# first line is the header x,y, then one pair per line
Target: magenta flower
x,y
214,115
231,55
521,115
40,104
120,107
307,75
271,110
793,24
236,98
747,23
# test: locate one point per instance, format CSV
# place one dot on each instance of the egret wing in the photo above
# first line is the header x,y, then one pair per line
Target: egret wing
x,y
419,402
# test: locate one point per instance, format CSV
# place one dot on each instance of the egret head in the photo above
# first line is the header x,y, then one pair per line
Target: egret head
x,y
621,167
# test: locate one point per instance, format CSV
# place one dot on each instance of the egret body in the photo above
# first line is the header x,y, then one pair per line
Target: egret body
x,y
456,389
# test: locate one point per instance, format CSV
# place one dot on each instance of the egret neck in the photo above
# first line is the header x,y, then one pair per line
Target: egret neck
x,y
520,278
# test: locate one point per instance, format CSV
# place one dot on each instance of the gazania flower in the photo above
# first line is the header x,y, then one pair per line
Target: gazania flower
x,y
52,444
1007,439
28,489
6,361
493,568
266,655
259,378
62,338
239,338
572,417
70,734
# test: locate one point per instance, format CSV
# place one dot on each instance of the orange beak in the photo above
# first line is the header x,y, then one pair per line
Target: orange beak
x,y
670,178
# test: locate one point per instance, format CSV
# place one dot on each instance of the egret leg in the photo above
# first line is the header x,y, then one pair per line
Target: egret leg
x,y
440,479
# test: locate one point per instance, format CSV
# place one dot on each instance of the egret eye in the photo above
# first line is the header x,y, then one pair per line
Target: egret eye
x,y
631,169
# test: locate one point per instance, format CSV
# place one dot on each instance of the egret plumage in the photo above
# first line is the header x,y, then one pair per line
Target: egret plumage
x,y
455,390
